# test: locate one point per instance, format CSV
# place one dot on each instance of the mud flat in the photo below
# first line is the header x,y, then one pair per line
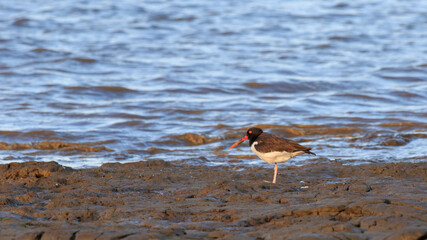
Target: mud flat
x,y
172,200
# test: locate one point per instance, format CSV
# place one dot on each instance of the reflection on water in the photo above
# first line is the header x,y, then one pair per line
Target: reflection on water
x,y
181,80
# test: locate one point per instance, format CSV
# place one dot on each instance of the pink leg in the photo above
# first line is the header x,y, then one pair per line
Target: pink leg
x,y
275,172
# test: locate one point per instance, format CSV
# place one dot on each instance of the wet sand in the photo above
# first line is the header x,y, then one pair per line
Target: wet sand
x,y
173,200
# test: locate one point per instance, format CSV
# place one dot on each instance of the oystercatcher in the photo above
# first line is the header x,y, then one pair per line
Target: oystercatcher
x,y
272,148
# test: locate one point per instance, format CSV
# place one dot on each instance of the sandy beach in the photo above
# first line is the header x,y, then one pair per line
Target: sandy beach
x,y
174,200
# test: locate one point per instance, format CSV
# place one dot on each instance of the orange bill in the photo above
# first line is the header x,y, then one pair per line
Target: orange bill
x,y
239,142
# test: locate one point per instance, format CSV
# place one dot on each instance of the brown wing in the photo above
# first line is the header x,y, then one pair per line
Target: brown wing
x,y
268,142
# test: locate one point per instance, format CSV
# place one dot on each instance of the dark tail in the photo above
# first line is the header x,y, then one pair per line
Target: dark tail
x,y
309,152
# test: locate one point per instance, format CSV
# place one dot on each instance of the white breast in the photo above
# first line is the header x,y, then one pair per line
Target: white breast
x,y
274,157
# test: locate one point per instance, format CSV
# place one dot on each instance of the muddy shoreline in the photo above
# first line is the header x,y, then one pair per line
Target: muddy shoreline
x,y
164,200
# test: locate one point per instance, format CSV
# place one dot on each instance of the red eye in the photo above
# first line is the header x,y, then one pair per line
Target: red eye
x,y
250,132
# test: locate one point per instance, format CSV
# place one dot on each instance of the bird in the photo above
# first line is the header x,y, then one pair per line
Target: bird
x,y
272,148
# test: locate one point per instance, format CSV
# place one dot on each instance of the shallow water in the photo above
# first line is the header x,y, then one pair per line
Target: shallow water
x,y
126,81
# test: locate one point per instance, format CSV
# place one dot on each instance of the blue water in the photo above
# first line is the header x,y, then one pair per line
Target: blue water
x,y
348,79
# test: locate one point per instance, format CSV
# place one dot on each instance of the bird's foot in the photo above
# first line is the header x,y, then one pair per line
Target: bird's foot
x,y
269,181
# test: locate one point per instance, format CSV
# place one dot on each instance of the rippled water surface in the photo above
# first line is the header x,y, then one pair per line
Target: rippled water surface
x,y
87,82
